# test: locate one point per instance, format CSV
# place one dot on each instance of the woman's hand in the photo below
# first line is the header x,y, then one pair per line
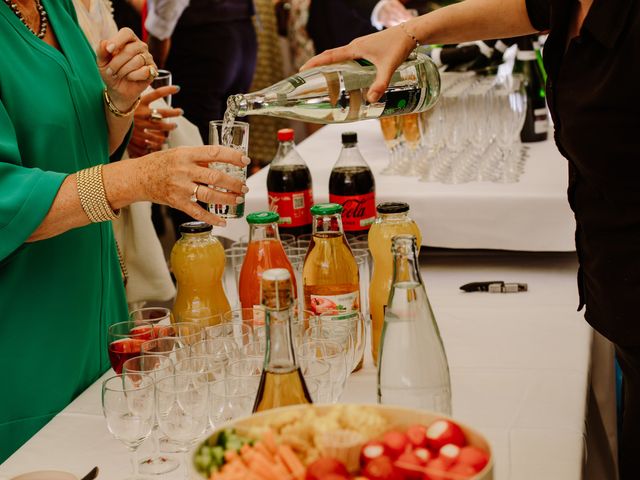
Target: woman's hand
x,y
170,177
126,67
149,133
386,50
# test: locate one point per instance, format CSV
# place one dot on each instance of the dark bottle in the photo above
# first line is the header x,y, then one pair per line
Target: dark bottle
x,y
464,57
536,121
281,382
352,185
289,187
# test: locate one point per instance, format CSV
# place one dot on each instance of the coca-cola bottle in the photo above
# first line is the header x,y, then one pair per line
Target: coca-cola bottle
x,y
289,187
352,185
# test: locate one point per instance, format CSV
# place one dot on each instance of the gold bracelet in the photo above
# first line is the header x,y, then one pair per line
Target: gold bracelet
x,y
115,110
409,34
92,195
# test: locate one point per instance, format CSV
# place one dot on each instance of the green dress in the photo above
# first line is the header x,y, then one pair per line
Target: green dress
x,y
57,296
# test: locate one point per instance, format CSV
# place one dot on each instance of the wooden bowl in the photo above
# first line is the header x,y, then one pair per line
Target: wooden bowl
x,y
398,417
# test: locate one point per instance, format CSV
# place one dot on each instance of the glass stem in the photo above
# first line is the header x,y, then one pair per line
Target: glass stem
x,y
134,462
156,442
186,466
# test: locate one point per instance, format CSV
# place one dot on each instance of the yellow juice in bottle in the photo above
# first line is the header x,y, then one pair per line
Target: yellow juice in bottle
x,y
197,261
392,220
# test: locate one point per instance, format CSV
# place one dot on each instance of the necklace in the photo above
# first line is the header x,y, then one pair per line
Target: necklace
x,y
41,13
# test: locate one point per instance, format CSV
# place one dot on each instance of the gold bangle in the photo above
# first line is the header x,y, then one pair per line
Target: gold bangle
x,y
409,34
92,195
115,110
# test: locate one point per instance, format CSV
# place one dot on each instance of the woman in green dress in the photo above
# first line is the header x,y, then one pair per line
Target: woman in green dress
x,y
63,111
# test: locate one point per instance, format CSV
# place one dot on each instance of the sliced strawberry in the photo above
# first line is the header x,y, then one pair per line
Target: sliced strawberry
x,y
475,457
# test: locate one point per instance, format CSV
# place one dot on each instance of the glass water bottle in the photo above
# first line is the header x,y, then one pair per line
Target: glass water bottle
x,y
412,369
337,93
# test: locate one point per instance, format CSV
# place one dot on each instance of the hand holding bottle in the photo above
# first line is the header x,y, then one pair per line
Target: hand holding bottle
x,y
386,50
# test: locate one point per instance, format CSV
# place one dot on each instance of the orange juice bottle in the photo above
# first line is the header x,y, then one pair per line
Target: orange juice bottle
x,y
197,261
265,251
330,273
393,219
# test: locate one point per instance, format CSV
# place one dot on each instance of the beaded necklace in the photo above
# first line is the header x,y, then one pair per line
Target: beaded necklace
x,y
41,13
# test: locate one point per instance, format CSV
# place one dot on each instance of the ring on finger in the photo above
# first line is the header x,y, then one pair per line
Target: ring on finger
x,y
155,115
144,59
153,73
194,195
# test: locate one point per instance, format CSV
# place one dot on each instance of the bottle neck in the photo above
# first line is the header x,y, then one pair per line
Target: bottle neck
x,y
328,224
406,267
350,156
267,231
284,149
279,354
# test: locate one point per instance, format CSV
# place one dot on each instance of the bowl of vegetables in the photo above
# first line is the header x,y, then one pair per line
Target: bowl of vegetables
x,y
344,442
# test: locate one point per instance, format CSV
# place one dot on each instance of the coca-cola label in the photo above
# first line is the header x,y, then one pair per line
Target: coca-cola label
x,y
293,207
335,304
358,211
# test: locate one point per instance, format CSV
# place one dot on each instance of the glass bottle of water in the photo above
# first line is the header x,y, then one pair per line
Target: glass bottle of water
x,y
337,93
412,368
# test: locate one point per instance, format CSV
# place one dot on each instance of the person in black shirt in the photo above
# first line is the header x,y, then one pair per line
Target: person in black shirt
x,y
592,58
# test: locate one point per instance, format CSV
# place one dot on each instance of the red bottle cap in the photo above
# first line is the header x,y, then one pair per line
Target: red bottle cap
x,y
285,135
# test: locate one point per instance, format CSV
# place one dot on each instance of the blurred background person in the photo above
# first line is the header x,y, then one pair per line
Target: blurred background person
x,y
210,49
128,13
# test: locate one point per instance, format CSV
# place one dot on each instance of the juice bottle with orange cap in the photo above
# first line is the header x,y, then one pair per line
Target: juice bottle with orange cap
x,y
265,251
197,261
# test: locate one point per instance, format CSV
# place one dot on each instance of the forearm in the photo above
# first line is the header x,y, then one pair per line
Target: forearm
x,y
159,49
121,187
118,127
472,20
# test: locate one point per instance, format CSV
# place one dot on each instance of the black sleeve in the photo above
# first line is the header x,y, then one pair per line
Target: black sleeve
x,y
363,7
538,11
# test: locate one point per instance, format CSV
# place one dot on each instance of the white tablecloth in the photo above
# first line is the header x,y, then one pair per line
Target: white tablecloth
x,y
519,369
531,215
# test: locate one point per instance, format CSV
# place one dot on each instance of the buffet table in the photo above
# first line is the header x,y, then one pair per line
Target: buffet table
x,y
519,369
531,215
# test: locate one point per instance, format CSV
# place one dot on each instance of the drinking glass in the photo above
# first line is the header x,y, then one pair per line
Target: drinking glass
x,y
210,365
128,406
231,398
363,259
222,349
247,368
234,257
186,332
354,321
254,350
163,79
125,340
239,332
288,239
318,372
392,134
304,240
244,316
152,315
170,347
157,367
182,402
332,353
239,140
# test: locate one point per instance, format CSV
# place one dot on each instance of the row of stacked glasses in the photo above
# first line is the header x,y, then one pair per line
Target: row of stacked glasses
x,y
184,379
473,133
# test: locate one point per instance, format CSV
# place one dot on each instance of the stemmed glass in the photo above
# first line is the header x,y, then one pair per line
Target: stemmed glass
x,y
125,339
332,353
231,398
156,367
128,406
170,347
222,349
182,407
354,323
392,133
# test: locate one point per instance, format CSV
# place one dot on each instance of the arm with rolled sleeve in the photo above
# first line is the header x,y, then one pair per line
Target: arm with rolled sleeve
x,y
26,194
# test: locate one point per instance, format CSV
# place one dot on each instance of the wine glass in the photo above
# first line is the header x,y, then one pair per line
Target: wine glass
x,y
125,340
248,368
182,402
128,406
188,333
163,79
318,372
392,133
332,353
231,398
213,368
222,349
170,347
232,327
157,367
354,321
